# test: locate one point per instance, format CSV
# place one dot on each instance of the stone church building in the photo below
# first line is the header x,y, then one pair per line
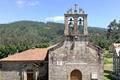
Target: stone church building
x,y
73,59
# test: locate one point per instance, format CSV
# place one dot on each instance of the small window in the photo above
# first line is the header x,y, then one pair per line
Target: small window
x,y
94,76
60,63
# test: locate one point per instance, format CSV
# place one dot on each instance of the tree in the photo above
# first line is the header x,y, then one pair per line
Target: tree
x,y
113,31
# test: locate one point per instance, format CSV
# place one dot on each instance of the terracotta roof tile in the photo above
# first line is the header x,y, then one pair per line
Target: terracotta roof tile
x,y
28,55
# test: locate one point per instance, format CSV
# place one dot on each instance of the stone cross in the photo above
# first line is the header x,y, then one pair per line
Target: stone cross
x,y
75,6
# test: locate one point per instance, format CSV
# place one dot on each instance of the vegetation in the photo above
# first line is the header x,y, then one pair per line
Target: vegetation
x,y
107,66
22,35
113,32
113,36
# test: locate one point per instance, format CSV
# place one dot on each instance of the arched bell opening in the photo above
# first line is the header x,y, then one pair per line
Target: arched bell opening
x,y
80,25
71,25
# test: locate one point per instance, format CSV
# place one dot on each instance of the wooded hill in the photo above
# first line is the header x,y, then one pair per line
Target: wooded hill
x,y
22,35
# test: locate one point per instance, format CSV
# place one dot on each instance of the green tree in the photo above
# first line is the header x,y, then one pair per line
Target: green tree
x,y
113,31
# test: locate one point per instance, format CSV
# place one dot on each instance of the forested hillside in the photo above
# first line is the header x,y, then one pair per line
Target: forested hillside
x,y
22,35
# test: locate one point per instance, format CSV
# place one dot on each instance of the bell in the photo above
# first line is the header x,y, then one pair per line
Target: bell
x,y
71,19
80,21
70,23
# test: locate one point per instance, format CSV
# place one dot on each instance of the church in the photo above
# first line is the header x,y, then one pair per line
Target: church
x,y
75,58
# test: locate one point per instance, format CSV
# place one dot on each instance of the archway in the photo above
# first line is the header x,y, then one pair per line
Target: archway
x,y
76,75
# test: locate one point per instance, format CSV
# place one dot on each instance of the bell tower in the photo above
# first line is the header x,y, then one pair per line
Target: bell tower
x,y
75,22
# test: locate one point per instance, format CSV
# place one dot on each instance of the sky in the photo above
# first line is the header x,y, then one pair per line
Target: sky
x,y
100,12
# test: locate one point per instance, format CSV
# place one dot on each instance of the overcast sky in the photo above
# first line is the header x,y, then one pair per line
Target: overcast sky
x,y
100,12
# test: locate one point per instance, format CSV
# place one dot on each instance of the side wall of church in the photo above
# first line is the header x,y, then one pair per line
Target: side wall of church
x,y
14,70
10,71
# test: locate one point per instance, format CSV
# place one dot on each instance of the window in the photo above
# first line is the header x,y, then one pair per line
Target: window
x,y
94,76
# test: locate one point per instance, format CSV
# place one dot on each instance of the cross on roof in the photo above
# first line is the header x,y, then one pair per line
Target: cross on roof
x,y
76,6
75,10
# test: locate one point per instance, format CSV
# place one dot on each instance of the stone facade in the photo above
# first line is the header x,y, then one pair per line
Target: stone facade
x,y
75,58
83,57
19,70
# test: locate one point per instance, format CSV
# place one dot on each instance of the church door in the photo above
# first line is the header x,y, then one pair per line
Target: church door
x,y
30,75
76,75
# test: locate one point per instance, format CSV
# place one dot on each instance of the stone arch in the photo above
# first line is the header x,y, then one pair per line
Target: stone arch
x,y
80,20
80,25
71,24
76,75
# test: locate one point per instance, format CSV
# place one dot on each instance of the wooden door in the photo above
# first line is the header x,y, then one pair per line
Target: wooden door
x,y
76,75
29,76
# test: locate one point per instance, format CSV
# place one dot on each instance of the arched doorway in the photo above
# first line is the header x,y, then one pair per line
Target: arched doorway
x,y
76,75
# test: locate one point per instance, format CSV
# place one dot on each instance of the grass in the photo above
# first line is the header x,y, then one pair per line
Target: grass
x,y
107,65
108,69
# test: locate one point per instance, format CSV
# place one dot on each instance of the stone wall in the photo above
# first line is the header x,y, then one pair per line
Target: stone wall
x,y
75,55
13,70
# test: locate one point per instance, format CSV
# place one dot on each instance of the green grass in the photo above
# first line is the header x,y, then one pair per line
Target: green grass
x,y
107,65
108,69
108,61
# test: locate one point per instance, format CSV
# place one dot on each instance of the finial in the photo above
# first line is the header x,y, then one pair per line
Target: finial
x,y
71,10
68,12
75,10
81,11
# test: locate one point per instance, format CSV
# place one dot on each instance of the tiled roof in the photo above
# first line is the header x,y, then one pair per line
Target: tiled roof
x,y
28,55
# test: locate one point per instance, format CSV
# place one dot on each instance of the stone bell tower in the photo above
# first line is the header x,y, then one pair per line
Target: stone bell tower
x,y
75,58
75,22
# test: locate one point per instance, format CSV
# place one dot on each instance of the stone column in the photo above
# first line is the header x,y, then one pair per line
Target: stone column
x,y
66,31
36,74
75,25
24,75
85,25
